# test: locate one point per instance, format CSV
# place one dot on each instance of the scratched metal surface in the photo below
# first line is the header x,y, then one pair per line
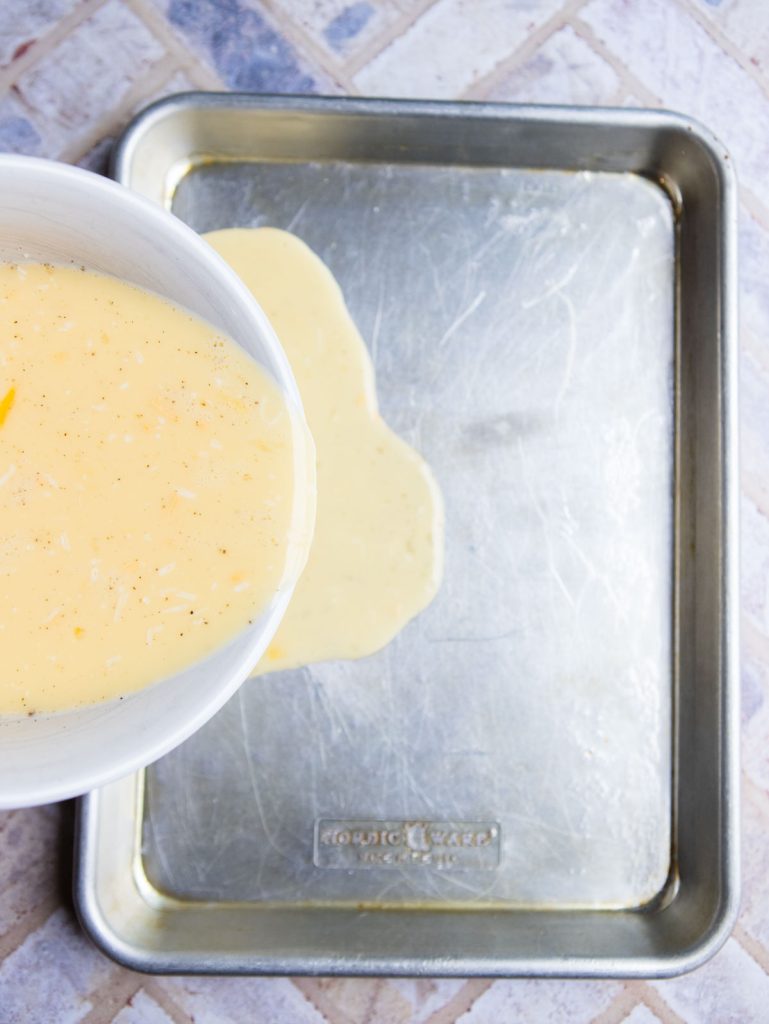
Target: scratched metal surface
x,y
522,328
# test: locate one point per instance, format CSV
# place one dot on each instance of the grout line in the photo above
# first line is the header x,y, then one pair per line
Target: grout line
x,y
376,987
306,46
47,43
754,347
24,104
7,817
756,795
110,998
196,69
755,206
483,85
755,489
35,918
155,990
619,97
633,84
758,798
652,999
752,947
118,116
316,994
412,12
40,858
621,1006
461,1002
754,641
313,992
724,42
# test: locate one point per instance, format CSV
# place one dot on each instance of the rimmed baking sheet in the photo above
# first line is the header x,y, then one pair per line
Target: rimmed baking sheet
x,y
546,295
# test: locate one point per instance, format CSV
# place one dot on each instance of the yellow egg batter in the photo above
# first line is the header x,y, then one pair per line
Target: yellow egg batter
x,y
146,488
377,554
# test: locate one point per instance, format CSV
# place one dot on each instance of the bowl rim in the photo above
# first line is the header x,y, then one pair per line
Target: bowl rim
x,y
47,789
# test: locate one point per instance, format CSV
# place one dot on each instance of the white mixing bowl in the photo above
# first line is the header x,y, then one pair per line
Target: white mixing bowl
x,y
53,213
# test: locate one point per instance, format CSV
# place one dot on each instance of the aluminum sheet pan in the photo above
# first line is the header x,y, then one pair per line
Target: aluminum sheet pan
x,y
546,295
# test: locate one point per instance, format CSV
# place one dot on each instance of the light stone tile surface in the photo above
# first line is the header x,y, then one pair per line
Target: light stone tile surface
x,y
754,293
341,27
87,75
353,999
18,133
24,22
755,713
577,1002
686,70
97,158
51,976
425,996
212,1001
745,23
452,45
142,1009
563,70
244,43
755,865
641,1014
28,860
730,989
755,565
754,378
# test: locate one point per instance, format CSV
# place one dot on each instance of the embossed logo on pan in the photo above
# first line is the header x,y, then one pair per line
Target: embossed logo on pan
x,y
443,845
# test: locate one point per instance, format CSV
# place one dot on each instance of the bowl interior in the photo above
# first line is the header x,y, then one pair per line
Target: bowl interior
x,y
58,214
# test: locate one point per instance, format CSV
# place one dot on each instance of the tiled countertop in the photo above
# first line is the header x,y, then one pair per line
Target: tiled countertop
x,y
71,74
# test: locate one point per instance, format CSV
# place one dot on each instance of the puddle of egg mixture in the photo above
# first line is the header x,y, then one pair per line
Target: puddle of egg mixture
x,y
377,554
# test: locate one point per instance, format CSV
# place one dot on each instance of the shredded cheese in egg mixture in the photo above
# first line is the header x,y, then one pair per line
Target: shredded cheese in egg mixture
x,y
6,403
147,488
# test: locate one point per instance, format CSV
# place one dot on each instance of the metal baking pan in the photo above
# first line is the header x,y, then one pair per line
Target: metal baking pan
x,y
539,775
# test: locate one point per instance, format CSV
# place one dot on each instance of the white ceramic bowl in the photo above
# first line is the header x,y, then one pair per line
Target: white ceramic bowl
x,y
53,213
